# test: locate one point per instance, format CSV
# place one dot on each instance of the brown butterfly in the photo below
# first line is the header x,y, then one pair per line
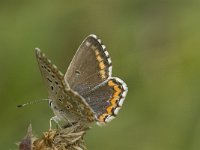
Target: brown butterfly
x,y
87,92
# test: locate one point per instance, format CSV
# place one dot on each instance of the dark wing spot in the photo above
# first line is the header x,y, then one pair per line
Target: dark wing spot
x,y
77,72
49,80
68,107
52,88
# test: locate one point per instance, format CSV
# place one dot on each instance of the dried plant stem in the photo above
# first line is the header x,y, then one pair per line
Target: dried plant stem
x,y
70,138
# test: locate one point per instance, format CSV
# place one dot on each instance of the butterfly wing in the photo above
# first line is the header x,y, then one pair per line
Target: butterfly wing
x,y
68,105
90,66
107,99
90,75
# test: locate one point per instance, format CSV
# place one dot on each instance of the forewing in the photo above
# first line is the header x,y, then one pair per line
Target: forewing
x,y
68,104
50,74
90,66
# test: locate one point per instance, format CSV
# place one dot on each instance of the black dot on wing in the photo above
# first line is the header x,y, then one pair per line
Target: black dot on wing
x,y
49,80
77,72
68,107
53,76
52,88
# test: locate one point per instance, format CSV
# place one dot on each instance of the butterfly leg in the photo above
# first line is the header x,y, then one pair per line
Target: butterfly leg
x,y
56,120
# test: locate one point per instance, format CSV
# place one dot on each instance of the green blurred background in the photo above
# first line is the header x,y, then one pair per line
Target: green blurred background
x,y
154,47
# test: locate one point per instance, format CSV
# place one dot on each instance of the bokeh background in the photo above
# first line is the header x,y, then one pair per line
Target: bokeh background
x,y
155,48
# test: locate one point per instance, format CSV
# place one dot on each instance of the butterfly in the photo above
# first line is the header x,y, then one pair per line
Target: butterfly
x,y
87,92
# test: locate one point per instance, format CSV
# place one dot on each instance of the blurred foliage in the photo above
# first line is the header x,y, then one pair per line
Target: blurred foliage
x,y
154,47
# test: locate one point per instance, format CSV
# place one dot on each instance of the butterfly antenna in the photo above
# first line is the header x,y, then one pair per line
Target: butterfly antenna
x,y
32,102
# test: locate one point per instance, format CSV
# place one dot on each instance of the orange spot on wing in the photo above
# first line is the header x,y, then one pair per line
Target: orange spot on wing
x,y
113,101
102,117
109,109
117,91
96,52
111,83
102,65
103,74
116,95
116,88
115,98
99,58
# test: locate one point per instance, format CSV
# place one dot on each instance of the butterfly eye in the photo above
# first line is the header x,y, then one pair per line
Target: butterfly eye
x,y
50,103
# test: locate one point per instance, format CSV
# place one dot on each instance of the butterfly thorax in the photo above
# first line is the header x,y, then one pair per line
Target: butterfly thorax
x,y
62,117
